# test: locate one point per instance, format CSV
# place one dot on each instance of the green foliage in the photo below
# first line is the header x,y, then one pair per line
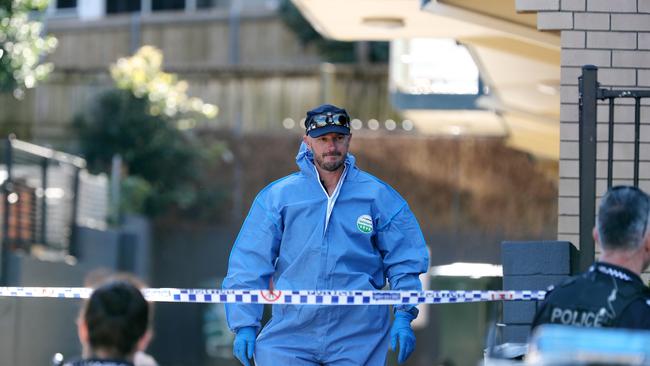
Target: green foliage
x,y
150,146
134,192
142,120
21,46
142,75
331,51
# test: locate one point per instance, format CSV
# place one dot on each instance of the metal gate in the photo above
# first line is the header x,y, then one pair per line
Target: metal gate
x,y
590,93
45,195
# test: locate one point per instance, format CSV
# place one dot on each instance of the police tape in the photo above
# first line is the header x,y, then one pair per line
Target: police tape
x,y
301,297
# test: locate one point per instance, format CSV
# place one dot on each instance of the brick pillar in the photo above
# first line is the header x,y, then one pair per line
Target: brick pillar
x,y
531,265
613,35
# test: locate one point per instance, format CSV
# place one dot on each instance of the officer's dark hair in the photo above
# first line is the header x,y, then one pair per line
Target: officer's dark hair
x,y
623,218
117,316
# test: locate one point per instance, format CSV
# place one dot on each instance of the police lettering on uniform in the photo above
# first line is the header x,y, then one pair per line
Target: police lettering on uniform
x,y
575,317
611,293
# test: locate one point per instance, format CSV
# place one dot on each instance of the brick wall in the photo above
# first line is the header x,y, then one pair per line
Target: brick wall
x,y
614,35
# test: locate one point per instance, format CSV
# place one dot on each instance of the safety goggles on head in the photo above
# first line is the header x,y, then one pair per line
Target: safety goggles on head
x,y
324,119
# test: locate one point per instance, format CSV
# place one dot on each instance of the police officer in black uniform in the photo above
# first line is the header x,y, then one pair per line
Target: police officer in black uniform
x,y
611,293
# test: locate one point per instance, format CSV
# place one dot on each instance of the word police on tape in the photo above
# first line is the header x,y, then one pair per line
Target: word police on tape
x,y
299,297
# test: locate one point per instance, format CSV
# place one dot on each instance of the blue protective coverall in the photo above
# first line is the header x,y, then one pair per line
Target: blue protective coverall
x,y
371,235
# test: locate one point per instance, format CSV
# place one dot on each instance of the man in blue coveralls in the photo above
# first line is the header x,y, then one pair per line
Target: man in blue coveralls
x,y
329,226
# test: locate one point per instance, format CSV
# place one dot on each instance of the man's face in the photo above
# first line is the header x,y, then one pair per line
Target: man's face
x,y
329,150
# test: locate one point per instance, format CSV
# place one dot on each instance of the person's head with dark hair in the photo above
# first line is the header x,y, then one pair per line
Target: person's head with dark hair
x,y
114,321
622,228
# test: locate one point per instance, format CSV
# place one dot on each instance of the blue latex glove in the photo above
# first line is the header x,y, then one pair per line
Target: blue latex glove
x,y
244,345
401,331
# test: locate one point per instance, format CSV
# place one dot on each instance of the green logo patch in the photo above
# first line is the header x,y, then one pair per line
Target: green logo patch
x,y
364,224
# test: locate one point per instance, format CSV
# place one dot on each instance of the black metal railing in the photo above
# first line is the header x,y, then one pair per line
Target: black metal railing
x,y
40,193
45,194
590,92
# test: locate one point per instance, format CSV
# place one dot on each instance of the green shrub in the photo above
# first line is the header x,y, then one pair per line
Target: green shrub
x,y
21,46
147,120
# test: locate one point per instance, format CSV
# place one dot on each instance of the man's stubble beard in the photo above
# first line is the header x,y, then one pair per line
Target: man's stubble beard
x,y
330,166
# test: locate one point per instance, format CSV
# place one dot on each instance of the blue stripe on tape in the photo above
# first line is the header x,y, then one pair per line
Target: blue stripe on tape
x,y
300,297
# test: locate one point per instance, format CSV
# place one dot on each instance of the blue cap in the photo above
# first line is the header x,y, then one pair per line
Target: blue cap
x,y
328,110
